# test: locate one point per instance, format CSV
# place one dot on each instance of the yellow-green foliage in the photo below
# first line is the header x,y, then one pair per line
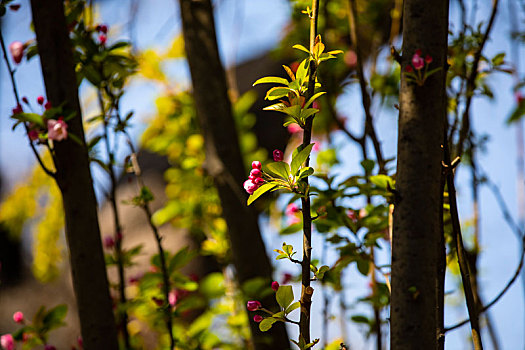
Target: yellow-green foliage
x,y
36,204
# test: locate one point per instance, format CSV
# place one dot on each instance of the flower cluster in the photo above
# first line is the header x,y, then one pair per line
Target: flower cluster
x,y
417,71
255,179
43,127
102,29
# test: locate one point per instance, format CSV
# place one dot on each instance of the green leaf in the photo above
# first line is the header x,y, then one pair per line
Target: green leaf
x,y
275,80
75,138
313,98
322,270
308,112
517,114
276,93
305,172
55,317
382,181
267,323
260,191
300,158
275,107
280,169
368,165
291,229
499,59
363,266
293,111
284,296
302,71
301,48
360,319
292,307
29,118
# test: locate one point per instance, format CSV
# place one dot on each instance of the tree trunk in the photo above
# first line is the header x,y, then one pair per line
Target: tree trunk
x,y
223,158
416,237
73,177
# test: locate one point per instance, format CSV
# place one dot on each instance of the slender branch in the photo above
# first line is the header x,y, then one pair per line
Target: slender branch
x,y
460,250
116,220
17,99
307,290
365,97
471,81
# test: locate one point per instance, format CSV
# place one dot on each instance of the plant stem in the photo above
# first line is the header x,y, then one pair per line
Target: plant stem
x,y
118,228
461,252
307,290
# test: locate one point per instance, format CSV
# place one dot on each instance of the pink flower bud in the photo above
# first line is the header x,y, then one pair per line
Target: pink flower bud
x,y
278,156
33,135
56,129
109,242
258,181
275,285
16,48
258,318
255,173
48,105
249,186
102,39
40,100
253,305
294,128
418,62
428,59
18,317
7,342
256,165
418,52
172,298
18,109
291,209
287,277
409,69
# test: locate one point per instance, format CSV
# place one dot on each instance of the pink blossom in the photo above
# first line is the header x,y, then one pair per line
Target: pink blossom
x,y
294,220
258,318
287,277
292,209
109,242
102,39
275,285
255,173
258,181
294,128
7,342
316,147
33,135
253,305
256,165
18,317
417,61
17,51
40,100
172,298
278,156
249,186
56,129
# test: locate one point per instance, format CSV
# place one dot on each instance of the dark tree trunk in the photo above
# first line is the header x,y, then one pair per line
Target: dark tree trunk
x,y
223,157
416,239
73,177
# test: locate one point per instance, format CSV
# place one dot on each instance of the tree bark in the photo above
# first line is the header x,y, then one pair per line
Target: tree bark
x,y
223,158
416,236
73,177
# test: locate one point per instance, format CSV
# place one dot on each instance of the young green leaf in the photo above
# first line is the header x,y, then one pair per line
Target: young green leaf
x,y
260,191
29,117
301,48
304,172
300,158
284,296
313,98
275,80
281,169
292,307
276,93
267,323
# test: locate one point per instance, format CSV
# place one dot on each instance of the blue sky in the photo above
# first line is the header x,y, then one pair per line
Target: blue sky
x,y
249,28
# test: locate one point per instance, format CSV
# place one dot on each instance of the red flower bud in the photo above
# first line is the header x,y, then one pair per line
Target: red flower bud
x,y
25,100
255,173
40,100
278,156
256,165
275,285
14,7
253,305
258,318
428,59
